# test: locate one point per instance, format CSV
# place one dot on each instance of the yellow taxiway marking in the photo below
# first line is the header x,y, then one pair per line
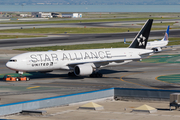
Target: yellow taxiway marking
x,y
121,78
32,87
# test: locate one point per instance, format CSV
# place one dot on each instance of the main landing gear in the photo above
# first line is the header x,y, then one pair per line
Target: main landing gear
x,y
71,74
96,75
93,75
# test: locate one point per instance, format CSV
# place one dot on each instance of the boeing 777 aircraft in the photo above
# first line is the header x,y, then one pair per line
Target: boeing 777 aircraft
x,y
83,62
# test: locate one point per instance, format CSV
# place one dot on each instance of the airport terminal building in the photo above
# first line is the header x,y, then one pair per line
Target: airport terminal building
x,y
51,15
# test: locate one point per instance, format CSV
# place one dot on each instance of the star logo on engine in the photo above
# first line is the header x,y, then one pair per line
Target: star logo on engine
x,y
141,40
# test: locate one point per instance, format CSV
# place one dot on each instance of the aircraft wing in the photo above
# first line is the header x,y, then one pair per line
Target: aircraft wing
x,y
102,62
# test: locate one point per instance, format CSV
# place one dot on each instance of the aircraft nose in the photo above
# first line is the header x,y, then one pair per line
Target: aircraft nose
x,y
8,65
11,65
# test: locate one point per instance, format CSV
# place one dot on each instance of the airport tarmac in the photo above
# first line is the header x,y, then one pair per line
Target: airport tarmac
x,y
72,39
131,75
130,24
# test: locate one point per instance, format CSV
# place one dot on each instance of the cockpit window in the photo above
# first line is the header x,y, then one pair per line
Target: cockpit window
x,y
13,60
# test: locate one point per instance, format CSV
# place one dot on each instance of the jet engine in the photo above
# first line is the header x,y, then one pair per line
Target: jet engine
x,y
83,70
157,49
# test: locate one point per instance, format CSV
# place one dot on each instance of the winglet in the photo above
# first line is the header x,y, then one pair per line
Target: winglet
x,y
166,34
141,38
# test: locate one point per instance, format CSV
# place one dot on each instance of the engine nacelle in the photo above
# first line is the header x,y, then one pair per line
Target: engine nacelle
x,y
83,70
157,49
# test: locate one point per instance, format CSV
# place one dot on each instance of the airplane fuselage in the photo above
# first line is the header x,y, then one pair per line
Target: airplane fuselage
x,y
156,44
51,60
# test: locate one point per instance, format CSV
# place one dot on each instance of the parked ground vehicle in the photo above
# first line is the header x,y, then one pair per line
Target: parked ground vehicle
x,y
11,78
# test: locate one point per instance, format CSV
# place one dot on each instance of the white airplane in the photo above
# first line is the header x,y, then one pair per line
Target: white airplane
x,y
82,62
157,46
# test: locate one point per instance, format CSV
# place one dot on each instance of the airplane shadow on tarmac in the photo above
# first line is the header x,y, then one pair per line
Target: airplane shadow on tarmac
x,y
51,75
108,71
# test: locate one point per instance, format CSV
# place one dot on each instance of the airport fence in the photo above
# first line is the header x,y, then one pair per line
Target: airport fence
x,y
143,93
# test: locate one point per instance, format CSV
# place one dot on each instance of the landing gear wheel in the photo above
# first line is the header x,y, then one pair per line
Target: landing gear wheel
x,y
96,75
99,75
92,75
71,74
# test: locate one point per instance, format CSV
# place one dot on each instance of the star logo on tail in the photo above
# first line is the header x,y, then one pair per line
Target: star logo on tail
x,y
141,40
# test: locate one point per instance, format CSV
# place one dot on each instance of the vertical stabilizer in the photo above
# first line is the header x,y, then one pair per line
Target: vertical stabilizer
x,y
141,38
166,36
